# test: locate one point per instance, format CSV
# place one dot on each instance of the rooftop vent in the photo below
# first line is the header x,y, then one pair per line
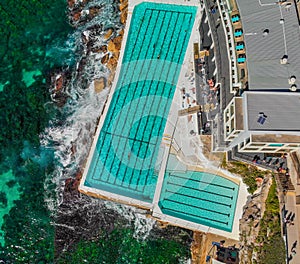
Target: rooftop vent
x,y
293,88
292,79
284,59
266,32
261,118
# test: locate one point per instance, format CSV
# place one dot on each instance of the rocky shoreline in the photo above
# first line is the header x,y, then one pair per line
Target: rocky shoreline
x,y
79,13
109,57
251,220
71,221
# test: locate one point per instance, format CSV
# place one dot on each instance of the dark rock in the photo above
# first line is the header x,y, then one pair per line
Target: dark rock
x,y
59,98
105,59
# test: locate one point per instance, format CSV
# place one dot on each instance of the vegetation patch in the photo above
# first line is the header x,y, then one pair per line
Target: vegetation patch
x,y
120,246
248,172
3,199
268,245
271,247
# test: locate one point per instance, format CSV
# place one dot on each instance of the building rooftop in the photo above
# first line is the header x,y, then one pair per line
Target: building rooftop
x,y
271,30
272,111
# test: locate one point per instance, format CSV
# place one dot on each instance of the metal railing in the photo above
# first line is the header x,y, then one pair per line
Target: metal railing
x,y
235,155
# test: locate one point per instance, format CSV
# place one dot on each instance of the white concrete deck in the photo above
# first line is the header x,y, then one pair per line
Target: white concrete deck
x,y
177,130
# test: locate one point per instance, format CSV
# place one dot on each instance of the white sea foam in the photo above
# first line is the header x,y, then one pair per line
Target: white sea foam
x,y
142,223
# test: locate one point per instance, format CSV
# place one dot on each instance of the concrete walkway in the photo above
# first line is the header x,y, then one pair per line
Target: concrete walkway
x,y
292,230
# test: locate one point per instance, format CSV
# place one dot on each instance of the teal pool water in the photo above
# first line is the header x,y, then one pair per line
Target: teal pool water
x,y
200,197
128,145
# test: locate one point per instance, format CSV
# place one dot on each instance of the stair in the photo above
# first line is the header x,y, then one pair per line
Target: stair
x,y
285,182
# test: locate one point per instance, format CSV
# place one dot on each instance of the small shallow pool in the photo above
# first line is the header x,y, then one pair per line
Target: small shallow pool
x,y
200,197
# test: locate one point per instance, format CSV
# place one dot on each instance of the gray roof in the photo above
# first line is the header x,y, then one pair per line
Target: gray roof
x,y
281,109
264,52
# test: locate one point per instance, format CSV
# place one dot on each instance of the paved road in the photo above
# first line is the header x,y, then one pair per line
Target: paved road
x,y
293,230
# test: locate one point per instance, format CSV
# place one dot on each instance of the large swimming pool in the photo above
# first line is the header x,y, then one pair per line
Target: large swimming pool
x,y
200,197
128,144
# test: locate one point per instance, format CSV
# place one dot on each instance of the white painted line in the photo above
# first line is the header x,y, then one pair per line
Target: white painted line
x,y
209,32
206,20
215,71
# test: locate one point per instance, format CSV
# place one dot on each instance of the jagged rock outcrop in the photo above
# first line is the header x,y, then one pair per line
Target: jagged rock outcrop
x,y
79,14
112,63
250,221
108,34
105,59
115,44
124,10
99,84
58,81
110,51
197,247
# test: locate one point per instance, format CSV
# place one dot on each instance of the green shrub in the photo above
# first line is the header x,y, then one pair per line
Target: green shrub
x,y
272,249
120,246
248,173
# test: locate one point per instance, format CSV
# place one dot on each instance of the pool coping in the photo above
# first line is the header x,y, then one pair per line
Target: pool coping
x,y
154,207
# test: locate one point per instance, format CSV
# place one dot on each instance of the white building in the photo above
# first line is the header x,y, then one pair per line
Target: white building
x,y
266,117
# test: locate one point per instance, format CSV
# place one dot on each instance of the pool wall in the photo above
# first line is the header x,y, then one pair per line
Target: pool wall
x,y
90,190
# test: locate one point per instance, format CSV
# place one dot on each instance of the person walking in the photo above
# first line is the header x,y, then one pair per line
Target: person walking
x,y
294,245
288,216
293,217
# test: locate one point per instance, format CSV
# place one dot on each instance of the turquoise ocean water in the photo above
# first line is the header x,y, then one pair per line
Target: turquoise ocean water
x,y
32,34
36,156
